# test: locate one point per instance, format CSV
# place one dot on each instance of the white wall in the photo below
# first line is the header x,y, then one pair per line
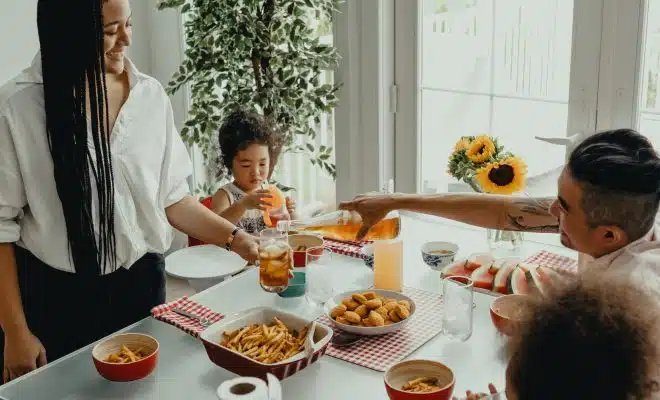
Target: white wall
x,y
139,51
19,40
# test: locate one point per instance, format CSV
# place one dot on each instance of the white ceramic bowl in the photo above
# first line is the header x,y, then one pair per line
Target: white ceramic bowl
x,y
438,255
369,330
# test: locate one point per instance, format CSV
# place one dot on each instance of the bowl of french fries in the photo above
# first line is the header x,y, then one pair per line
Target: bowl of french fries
x,y
126,357
419,379
263,340
370,312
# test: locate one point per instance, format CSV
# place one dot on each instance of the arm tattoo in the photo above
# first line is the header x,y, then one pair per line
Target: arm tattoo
x,y
532,215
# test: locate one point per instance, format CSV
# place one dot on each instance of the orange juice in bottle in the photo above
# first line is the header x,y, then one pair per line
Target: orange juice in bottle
x,y
344,225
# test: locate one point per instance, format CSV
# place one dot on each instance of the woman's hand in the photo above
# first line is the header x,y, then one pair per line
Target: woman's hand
x,y
372,209
257,200
475,396
246,246
23,353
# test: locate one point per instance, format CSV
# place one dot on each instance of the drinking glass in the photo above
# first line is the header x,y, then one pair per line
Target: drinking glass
x,y
458,299
318,273
275,260
388,264
278,214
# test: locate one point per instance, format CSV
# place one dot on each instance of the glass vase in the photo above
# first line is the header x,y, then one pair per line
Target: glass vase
x,y
504,243
501,243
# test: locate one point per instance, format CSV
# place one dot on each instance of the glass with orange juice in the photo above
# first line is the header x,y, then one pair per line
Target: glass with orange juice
x,y
275,260
388,264
277,209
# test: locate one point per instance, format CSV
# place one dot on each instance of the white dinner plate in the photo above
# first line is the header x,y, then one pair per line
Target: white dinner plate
x,y
203,262
370,331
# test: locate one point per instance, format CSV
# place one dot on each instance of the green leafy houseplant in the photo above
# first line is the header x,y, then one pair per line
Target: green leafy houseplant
x,y
266,54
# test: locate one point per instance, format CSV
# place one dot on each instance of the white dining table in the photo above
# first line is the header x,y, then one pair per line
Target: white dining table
x,y
185,372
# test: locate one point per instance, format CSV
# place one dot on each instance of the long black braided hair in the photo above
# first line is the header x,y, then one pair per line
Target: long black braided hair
x,y
73,64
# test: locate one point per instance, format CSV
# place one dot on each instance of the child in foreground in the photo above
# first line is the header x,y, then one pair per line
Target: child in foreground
x,y
249,148
595,339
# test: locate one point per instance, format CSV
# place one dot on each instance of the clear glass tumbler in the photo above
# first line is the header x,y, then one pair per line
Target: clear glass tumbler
x,y
319,280
458,307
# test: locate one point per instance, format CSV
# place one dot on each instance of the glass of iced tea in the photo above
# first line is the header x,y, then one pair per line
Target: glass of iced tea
x,y
275,260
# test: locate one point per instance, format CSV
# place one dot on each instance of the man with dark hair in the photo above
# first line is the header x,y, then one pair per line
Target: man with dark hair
x,y
605,209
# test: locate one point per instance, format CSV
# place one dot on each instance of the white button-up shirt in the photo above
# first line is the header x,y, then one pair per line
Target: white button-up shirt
x,y
150,164
638,262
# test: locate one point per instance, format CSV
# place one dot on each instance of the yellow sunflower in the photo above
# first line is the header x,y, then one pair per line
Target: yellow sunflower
x,y
503,177
462,144
481,149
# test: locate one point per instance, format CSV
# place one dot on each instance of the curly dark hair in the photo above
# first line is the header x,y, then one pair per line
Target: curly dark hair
x,y
241,129
593,339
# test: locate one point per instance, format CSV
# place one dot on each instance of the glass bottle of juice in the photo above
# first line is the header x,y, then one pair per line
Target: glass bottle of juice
x,y
344,225
277,209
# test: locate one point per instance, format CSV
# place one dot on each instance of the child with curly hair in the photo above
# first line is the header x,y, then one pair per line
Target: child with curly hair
x,y
594,339
249,150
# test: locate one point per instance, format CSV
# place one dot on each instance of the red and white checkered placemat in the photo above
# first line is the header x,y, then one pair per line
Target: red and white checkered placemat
x,y
345,247
555,261
381,352
193,327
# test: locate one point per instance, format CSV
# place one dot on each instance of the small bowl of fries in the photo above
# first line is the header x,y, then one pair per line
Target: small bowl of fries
x,y
419,379
126,357
263,340
370,312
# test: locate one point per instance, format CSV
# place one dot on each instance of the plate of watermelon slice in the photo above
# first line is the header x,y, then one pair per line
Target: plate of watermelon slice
x,y
506,275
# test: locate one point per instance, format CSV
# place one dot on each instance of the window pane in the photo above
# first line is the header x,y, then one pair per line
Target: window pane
x,y
649,105
497,67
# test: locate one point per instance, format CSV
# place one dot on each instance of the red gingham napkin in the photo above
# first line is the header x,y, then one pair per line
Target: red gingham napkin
x,y
345,247
381,352
555,261
164,313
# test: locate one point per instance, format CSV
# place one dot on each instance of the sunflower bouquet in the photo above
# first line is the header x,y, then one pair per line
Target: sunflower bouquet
x,y
482,163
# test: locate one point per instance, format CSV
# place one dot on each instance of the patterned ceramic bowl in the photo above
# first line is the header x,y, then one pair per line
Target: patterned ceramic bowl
x,y
437,255
368,255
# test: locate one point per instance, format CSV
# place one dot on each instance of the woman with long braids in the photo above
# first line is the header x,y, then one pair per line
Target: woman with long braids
x,y
93,176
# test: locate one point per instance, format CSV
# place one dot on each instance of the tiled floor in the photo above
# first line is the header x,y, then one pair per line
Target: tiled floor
x,y
176,288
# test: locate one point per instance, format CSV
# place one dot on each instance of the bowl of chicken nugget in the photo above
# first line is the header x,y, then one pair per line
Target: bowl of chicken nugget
x,y
370,312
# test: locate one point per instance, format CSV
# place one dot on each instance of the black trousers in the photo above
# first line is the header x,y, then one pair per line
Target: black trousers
x,y
67,312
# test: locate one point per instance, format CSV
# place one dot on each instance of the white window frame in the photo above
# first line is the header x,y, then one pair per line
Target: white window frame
x,y
583,94
364,119
376,122
622,49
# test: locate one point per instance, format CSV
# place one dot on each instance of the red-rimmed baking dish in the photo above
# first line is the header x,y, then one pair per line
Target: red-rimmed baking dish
x,y
245,366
